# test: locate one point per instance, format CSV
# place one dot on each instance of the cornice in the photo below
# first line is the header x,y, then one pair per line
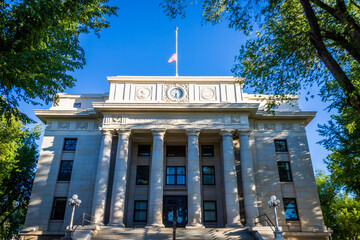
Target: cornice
x,y
173,79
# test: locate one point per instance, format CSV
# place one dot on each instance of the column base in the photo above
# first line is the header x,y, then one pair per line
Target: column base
x,y
196,225
119,225
155,225
233,225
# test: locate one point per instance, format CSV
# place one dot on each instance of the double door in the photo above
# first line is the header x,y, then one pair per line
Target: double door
x,y
175,206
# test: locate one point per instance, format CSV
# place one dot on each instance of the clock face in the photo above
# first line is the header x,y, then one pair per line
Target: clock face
x,y
176,93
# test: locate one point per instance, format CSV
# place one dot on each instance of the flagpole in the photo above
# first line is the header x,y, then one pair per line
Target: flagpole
x,y
177,56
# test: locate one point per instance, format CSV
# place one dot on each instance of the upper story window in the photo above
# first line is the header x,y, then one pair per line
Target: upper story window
x,y
58,209
280,146
65,170
144,150
175,176
142,175
77,105
290,208
70,144
284,171
175,151
207,150
208,175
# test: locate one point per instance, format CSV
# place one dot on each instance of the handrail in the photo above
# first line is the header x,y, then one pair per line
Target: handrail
x,y
82,220
266,220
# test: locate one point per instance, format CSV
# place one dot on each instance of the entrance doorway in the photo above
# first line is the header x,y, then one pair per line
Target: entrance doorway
x,y
172,204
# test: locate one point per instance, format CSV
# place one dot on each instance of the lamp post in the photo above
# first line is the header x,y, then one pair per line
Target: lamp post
x,y
275,203
73,201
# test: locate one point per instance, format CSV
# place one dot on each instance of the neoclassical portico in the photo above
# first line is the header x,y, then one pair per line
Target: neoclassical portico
x,y
157,176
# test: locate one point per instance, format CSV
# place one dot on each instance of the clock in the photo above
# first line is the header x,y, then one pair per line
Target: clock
x,y
176,93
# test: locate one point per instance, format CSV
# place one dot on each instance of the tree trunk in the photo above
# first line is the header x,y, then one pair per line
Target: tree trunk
x,y
328,59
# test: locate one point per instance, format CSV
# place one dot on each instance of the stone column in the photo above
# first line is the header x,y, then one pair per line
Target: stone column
x,y
120,179
102,178
248,179
155,208
230,181
194,181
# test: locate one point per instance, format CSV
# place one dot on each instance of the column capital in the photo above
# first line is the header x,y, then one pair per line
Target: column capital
x,y
227,132
193,131
122,131
244,133
158,131
106,131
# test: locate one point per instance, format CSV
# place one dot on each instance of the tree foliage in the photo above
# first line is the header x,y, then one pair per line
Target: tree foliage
x,y
39,47
17,173
341,212
297,45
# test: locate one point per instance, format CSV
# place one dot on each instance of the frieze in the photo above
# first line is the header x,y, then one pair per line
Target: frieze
x,y
143,93
208,93
176,92
287,126
82,125
63,125
269,126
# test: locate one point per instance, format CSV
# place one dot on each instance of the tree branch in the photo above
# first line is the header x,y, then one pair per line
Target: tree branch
x,y
327,58
340,40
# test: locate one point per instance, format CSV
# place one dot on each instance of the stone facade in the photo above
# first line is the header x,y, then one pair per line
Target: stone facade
x,y
191,115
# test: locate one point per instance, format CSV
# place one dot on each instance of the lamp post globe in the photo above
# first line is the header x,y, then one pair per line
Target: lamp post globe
x,y
275,203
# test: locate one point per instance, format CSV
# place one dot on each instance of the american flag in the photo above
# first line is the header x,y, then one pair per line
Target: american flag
x,y
173,58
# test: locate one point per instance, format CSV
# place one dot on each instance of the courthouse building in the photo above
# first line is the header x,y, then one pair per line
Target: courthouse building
x,y
155,145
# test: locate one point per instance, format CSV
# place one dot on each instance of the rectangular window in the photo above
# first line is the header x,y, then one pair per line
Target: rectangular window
x,y
140,211
208,175
175,176
284,171
290,208
175,151
144,150
210,211
58,209
142,175
65,170
207,150
70,144
280,146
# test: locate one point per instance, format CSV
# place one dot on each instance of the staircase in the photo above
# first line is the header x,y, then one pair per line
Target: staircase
x,y
166,233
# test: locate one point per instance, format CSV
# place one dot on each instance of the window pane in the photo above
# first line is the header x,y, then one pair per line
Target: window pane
x,y
65,170
142,175
180,170
58,210
175,151
170,179
208,170
170,170
209,179
180,180
70,144
280,146
209,205
284,171
290,209
140,205
209,216
207,150
140,216
144,150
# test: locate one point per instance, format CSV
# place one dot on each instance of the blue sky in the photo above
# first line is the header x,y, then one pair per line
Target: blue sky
x,y
142,39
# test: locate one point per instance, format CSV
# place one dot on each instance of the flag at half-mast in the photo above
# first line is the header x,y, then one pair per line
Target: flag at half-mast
x,y
173,58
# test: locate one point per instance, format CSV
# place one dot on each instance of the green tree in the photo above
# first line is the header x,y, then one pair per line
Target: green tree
x,y
299,43
18,158
341,212
39,47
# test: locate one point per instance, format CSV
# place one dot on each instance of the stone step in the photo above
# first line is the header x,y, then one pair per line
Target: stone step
x,y
166,233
